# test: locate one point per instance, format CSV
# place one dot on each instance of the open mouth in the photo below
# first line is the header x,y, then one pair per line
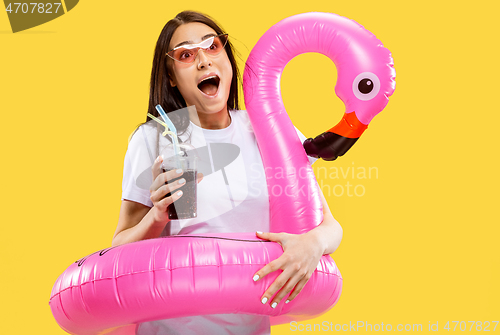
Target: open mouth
x,y
209,85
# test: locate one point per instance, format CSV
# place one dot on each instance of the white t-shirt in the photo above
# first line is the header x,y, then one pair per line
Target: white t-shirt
x,y
231,199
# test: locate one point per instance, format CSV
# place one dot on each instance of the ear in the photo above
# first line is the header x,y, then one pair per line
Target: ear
x,y
171,77
172,82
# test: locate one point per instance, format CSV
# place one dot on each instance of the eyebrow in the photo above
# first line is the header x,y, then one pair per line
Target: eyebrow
x,y
191,42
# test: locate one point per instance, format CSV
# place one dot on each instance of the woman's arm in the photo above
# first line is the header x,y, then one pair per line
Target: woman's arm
x,y
329,232
139,222
136,222
301,255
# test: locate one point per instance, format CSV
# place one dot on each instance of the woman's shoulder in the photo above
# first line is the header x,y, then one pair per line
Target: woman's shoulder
x,y
241,117
136,137
240,113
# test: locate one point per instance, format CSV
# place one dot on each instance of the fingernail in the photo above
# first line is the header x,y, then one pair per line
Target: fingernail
x,y
286,302
157,159
259,232
256,277
274,305
182,181
179,193
264,300
179,171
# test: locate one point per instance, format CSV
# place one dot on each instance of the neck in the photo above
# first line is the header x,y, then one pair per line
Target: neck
x,y
219,120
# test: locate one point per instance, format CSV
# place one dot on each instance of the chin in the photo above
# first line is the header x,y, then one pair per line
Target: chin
x,y
219,103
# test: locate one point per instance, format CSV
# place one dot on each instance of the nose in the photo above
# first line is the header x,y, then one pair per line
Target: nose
x,y
203,61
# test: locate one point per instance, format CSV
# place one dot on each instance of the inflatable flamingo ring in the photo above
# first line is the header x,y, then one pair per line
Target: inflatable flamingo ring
x,y
113,290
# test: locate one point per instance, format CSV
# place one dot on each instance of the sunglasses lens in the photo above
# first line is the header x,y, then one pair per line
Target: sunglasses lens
x,y
188,54
217,45
184,55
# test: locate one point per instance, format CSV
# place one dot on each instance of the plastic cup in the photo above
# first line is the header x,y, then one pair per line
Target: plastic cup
x,y
184,207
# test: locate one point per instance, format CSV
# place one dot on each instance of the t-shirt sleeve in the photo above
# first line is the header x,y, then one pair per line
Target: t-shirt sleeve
x,y
302,139
135,163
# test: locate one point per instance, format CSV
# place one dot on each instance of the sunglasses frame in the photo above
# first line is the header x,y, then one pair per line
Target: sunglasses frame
x,y
198,45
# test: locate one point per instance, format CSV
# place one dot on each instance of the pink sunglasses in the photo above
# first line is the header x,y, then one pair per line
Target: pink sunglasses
x,y
187,53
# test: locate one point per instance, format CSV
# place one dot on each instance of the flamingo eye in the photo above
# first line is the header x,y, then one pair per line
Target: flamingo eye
x,y
366,86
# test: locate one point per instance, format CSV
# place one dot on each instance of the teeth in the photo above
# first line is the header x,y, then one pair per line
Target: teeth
x,y
207,78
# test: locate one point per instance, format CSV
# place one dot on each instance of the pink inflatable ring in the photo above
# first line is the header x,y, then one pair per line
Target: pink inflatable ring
x,y
113,290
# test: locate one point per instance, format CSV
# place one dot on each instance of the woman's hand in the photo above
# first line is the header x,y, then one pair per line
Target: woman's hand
x,y
162,185
301,255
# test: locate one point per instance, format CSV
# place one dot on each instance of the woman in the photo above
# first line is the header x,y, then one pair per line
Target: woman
x,y
194,65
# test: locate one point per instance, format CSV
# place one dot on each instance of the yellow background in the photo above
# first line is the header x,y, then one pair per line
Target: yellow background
x,y
420,245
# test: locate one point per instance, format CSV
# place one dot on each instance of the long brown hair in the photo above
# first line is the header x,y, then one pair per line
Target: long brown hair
x,y
160,90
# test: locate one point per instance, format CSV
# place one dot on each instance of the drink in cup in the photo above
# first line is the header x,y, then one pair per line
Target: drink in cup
x,y
184,207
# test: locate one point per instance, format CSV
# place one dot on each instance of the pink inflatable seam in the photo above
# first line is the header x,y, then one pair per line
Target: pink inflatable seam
x,y
115,284
62,308
92,281
85,307
220,262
